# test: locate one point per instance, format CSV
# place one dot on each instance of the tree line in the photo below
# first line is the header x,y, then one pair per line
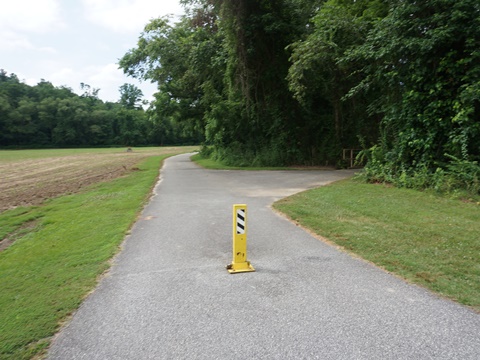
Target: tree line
x,y
47,116
278,82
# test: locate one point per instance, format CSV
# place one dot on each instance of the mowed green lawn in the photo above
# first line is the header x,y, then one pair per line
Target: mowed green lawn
x,y
427,239
61,249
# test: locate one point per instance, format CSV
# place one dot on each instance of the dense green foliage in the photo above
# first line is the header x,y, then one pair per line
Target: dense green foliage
x,y
240,72
228,60
319,78
277,82
425,58
48,116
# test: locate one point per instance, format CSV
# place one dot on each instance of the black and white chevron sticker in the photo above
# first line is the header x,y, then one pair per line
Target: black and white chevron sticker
x,y
240,221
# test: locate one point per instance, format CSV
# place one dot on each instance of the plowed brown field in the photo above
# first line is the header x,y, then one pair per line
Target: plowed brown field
x,y
32,181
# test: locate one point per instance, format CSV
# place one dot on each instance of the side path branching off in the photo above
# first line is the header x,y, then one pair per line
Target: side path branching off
x,y
428,239
424,237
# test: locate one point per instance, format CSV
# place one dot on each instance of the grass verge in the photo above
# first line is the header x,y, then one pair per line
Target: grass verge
x,y
429,240
209,163
47,272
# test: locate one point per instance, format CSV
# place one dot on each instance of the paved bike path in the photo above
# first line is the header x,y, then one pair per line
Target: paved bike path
x,y
168,295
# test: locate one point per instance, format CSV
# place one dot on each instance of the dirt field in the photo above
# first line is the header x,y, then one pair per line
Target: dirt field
x,y
32,181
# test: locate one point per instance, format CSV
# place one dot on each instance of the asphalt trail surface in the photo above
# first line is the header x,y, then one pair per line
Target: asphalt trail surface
x,y
168,295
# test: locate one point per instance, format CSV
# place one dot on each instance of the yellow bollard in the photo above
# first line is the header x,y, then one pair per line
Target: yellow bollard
x,y
239,263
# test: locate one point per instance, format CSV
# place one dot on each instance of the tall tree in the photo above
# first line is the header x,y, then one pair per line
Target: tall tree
x,y
130,96
179,59
258,120
320,77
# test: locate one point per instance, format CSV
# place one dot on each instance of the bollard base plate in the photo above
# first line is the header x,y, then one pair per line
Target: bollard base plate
x,y
235,268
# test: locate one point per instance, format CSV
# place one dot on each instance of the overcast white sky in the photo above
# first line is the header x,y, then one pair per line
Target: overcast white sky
x,y
68,42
